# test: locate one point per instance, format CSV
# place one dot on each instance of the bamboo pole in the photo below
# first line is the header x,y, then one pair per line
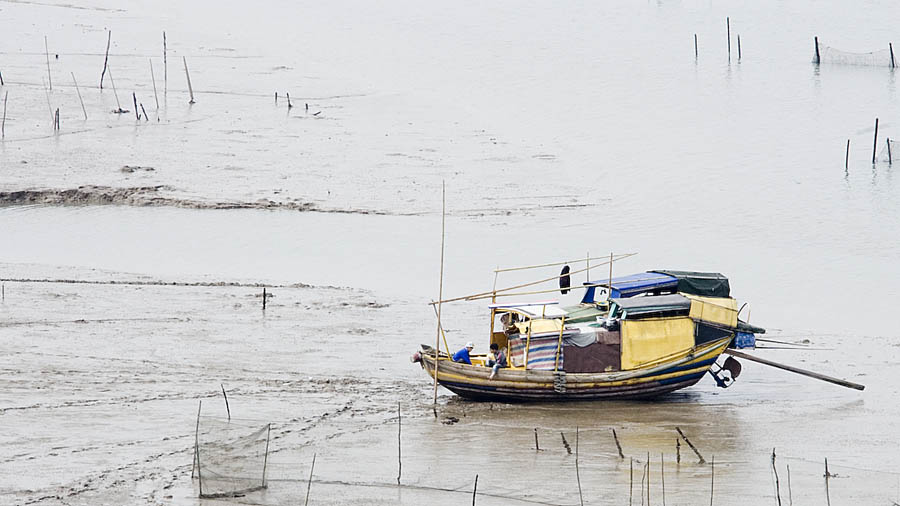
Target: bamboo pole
x,y
875,141
818,57
537,447
309,482
115,93
790,495
827,477
643,477
696,51
618,446
475,490
836,381
577,473
399,446
153,78
3,124
556,264
443,334
688,441
662,473
266,454
712,480
477,296
106,58
227,407
79,96
630,481
165,68
47,54
847,156
648,478
188,76
728,27
609,287
437,342
137,114
777,484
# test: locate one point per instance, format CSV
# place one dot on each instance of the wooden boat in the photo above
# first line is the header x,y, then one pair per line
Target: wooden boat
x,y
652,333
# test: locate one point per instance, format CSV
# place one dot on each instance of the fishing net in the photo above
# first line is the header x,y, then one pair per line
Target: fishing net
x,y
890,151
880,58
230,458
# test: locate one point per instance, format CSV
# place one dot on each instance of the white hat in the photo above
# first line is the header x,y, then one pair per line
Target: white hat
x,y
470,345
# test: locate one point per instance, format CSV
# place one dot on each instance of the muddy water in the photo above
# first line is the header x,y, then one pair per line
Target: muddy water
x,y
558,132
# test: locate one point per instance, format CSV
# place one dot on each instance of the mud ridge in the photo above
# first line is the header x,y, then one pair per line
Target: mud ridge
x,y
151,196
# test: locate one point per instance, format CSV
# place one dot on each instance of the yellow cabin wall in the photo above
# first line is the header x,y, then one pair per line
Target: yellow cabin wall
x,y
645,341
722,310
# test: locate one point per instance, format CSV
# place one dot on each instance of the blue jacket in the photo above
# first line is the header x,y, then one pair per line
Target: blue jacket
x,y
462,356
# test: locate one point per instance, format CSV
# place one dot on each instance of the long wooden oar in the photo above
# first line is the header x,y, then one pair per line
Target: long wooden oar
x,y
804,372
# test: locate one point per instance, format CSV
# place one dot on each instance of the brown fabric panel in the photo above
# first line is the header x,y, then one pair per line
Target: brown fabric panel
x,y
594,358
609,337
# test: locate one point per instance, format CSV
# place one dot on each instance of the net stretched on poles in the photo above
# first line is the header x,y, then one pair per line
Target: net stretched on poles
x,y
881,58
230,457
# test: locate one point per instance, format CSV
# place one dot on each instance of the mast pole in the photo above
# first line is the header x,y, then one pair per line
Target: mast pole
x,y
609,287
437,338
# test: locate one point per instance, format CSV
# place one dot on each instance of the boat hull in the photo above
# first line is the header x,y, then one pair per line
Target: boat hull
x,y
676,372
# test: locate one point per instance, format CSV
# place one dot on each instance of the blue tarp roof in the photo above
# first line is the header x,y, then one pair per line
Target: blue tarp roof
x,y
633,284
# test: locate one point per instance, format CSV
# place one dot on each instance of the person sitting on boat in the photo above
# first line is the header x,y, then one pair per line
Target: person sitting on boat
x,y
497,359
463,354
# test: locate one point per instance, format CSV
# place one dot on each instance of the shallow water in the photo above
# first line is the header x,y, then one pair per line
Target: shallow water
x,y
558,131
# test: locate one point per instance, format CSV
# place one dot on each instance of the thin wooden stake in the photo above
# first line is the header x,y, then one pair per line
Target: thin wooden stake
x,y
648,479
290,105
790,495
188,75
49,106
115,93
309,482
739,47
875,142
475,490
264,298
577,473
662,472
47,54
847,157
153,78
688,441
818,58
437,338
197,444
890,160
1,80
630,481
79,96
106,58
728,27
891,47
227,407
777,484
618,446
3,124
144,111
712,480
537,447
266,454
696,50
827,476
643,476
678,451
399,446
57,118
137,114
165,68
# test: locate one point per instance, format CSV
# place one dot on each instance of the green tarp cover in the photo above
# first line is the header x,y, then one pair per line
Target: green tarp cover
x,y
706,284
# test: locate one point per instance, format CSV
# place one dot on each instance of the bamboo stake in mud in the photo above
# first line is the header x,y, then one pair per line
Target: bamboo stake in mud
x,y
437,338
728,27
678,451
264,298
648,478
399,440
290,105
618,446
818,58
643,477
891,47
827,476
197,445
153,78
115,93
847,157
144,111
577,473
266,454
106,59
3,124
57,119
165,68
309,482
137,114
696,51
662,472
777,484
3,288
739,47
227,407
875,141
188,75
47,54
890,159
537,447
475,490
688,441
790,495
1,79
712,480
630,481
79,96
49,106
